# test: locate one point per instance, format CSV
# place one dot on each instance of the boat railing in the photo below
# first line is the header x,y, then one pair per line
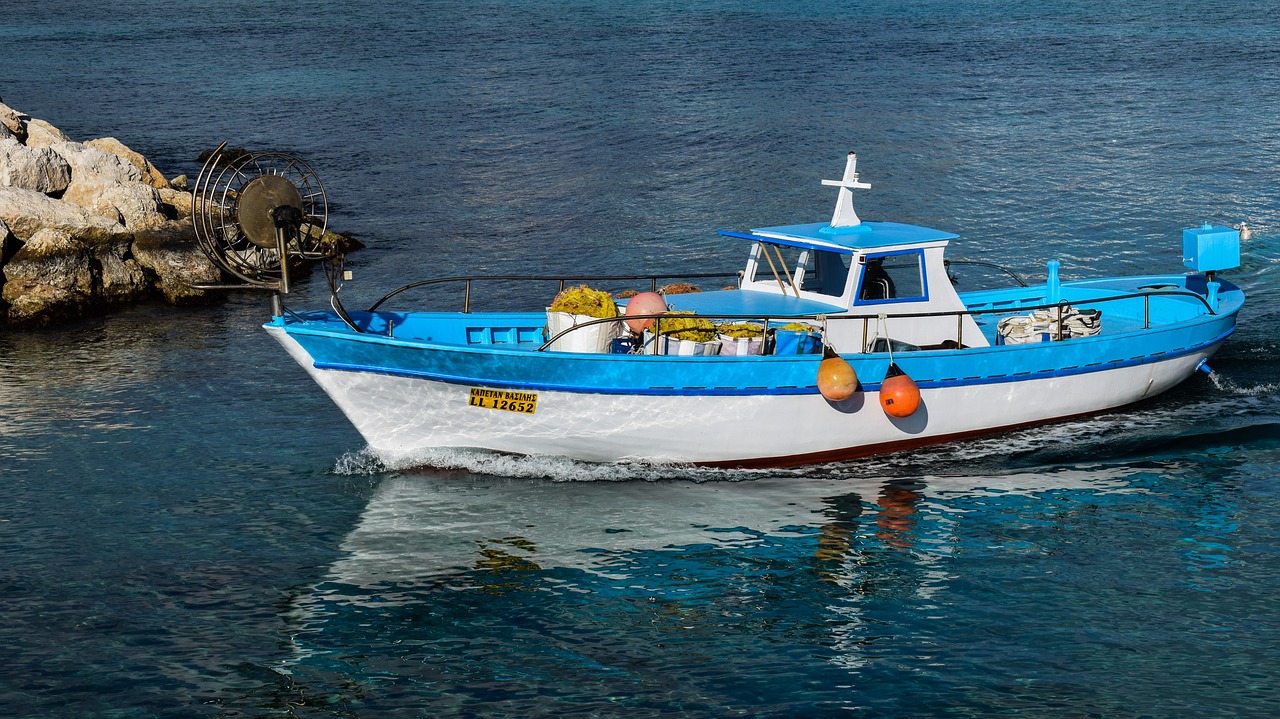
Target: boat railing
x,y
768,320
561,279
948,263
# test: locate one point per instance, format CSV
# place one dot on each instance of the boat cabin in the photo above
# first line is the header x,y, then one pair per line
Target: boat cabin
x,y
887,273
877,268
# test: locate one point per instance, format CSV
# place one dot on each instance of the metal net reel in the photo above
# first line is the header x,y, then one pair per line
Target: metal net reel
x,y
255,213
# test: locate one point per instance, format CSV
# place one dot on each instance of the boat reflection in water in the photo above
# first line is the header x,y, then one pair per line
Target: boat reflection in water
x,y
430,524
440,556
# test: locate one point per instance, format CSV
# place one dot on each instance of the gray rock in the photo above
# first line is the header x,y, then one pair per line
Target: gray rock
x,y
42,134
122,278
170,253
57,275
39,169
89,164
150,175
49,279
134,205
27,211
109,186
179,201
55,256
13,121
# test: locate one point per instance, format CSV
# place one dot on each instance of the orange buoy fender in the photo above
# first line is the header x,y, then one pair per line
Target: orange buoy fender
x,y
899,395
836,378
645,303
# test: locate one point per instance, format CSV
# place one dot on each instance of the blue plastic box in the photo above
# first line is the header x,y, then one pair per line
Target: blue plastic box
x,y
1209,248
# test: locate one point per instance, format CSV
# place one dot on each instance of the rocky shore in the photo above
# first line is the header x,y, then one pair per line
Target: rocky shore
x,y
88,225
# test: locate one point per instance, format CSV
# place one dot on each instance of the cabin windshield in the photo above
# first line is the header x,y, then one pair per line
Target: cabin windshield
x,y
814,270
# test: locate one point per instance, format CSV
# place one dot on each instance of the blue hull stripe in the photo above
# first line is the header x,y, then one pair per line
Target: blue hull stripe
x,y
758,391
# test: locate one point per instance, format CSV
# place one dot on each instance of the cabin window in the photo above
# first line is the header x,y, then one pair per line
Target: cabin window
x,y
826,273
778,263
892,277
818,271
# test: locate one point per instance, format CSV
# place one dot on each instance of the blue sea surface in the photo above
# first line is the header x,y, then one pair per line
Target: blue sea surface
x,y
189,528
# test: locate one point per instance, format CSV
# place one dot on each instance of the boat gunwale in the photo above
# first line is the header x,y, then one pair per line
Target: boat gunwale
x,y
870,364
754,391
1235,304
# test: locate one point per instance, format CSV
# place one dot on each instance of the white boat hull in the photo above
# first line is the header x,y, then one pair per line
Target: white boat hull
x,y
401,416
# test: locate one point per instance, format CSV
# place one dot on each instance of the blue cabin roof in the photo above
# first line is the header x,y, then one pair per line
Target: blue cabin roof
x,y
864,236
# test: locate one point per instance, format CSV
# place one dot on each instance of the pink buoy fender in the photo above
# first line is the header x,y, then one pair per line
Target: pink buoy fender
x,y
645,303
836,379
899,395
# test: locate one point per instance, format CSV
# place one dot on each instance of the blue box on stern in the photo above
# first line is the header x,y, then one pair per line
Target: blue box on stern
x,y
1209,248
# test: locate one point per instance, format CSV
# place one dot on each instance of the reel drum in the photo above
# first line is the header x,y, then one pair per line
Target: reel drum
x,y
257,212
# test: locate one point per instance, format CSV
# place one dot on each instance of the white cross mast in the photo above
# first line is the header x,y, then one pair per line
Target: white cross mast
x,y
844,215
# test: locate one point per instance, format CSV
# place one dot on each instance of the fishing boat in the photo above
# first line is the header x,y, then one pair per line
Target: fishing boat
x,y
864,345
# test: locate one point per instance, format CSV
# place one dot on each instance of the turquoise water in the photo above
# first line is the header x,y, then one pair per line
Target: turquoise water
x,y
189,528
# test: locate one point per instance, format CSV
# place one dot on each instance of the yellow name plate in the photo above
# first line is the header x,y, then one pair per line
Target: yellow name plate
x,y
522,402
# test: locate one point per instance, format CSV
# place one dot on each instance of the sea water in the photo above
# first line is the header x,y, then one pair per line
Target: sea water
x,y
189,528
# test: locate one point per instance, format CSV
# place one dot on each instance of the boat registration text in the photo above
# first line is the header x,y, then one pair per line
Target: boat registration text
x,y
522,402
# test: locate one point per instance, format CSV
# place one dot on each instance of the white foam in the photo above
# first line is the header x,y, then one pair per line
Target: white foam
x,y
556,469
1226,384
360,463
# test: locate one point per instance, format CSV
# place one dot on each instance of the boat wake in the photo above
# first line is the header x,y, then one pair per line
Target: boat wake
x,y
1151,433
359,463
1226,384
550,468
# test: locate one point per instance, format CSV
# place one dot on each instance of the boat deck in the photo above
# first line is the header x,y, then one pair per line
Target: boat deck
x,y
1127,305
